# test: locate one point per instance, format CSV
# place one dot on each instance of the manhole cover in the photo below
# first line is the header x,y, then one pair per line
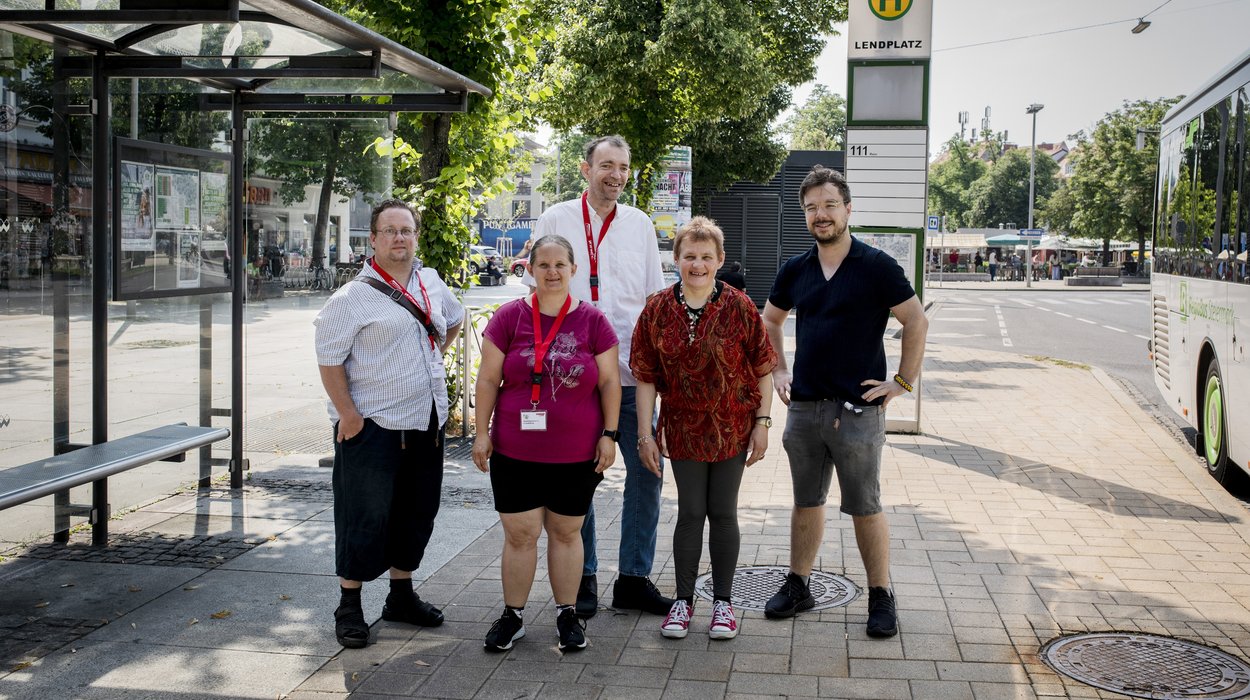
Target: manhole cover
x,y
1148,666
754,585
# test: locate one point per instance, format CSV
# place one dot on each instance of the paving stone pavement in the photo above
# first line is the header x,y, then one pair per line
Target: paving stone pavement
x,y
1039,500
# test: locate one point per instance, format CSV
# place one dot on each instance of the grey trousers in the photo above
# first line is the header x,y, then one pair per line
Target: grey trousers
x,y
707,491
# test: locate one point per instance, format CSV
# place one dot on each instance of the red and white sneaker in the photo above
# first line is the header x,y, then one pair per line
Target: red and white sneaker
x,y
677,622
724,624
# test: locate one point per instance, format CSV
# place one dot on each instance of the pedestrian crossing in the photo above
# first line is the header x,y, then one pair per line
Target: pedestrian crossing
x,y
1058,300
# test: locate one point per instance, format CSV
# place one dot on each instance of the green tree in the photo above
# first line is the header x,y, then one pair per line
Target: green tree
x,y
951,177
730,150
451,164
569,148
1002,194
322,152
820,124
1113,182
656,72
1059,212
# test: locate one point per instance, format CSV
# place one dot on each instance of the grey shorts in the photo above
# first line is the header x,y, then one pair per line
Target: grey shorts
x,y
816,449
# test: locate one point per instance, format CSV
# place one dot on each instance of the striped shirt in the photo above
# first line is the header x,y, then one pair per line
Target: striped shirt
x,y
393,374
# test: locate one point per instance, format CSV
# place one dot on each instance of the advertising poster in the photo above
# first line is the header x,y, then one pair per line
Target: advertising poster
x,y
188,260
177,198
670,204
138,230
214,210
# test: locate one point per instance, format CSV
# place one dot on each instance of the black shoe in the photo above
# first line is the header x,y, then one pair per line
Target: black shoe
x,y
506,630
572,631
350,626
408,607
882,616
793,597
638,593
588,597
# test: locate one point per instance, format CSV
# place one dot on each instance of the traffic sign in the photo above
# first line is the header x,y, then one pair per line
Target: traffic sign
x,y
1032,233
934,223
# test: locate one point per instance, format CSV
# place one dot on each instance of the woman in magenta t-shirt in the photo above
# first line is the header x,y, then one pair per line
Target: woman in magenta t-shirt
x,y
549,441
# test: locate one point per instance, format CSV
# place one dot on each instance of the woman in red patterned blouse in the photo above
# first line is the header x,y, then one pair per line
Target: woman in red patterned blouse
x,y
702,346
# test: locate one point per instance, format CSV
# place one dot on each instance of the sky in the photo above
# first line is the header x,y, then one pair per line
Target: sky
x,y
1078,75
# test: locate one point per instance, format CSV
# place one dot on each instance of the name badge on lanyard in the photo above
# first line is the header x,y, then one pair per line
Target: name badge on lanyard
x,y
592,246
535,419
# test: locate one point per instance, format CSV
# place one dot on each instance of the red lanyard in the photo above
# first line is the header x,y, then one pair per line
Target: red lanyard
x,y
429,317
592,247
541,344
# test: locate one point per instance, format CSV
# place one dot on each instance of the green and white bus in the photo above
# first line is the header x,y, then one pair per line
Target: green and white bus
x,y
1200,282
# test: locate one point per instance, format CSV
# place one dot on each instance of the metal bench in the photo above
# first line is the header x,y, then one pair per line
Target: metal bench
x,y
95,463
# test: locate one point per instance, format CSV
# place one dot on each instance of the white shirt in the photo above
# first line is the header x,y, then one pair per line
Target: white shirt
x,y
393,374
629,265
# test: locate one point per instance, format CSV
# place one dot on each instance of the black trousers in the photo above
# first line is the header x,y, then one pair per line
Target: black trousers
x,y
387,485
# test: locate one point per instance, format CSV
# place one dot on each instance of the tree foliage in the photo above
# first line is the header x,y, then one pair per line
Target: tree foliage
x,y
450,164
326,152
1002,195
664,74
563,161
951,178
1112,185
820,124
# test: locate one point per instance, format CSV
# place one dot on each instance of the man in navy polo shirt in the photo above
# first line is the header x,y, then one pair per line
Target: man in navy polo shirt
x,y
844,291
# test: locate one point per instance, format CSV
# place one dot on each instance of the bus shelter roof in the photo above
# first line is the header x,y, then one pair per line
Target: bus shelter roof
x,y
287,47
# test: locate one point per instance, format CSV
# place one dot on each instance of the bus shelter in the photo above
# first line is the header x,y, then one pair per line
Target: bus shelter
x,y
124,144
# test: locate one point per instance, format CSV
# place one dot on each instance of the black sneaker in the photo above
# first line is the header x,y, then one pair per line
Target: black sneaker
x,y
588,597
882,615
638,593
506,630
572,630
793,597
350,627
408,607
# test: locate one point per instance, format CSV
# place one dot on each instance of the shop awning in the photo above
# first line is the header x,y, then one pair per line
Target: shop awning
x,y
954,240
41,193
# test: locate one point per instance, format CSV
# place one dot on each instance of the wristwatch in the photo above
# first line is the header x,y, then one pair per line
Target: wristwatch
x,y
614,434
765,421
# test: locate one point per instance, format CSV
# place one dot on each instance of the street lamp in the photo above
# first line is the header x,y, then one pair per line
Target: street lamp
x,y
1142,24
1032,109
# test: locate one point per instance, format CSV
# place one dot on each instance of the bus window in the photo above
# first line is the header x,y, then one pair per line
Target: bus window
x,y
1208,168
1239,227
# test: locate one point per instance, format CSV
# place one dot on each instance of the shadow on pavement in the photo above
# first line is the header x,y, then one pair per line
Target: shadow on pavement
x,y
1069,485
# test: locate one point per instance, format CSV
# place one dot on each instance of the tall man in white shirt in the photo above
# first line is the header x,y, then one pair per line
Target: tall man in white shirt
x,y
380,353
618,267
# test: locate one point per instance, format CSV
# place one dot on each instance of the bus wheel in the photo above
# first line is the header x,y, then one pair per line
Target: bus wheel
x,y
1214,427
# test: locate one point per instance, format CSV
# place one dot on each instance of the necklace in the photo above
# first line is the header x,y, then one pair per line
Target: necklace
x,y
693,315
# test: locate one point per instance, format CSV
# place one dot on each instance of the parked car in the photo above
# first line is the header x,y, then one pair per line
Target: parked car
x,y
479,254
518,266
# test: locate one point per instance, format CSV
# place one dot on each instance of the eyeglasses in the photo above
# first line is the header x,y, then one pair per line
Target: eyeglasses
x,y
831,205
392,232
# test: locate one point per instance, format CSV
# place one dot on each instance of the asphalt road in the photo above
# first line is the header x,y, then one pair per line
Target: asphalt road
x,y
1106,329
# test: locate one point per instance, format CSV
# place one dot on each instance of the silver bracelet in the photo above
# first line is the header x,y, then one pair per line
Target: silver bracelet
x,y
642,439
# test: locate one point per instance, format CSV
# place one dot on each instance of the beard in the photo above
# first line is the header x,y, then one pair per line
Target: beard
x,y
831,235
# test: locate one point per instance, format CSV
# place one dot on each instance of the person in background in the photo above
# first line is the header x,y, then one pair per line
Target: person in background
x,y
730,275
701,346
549,380
993,262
